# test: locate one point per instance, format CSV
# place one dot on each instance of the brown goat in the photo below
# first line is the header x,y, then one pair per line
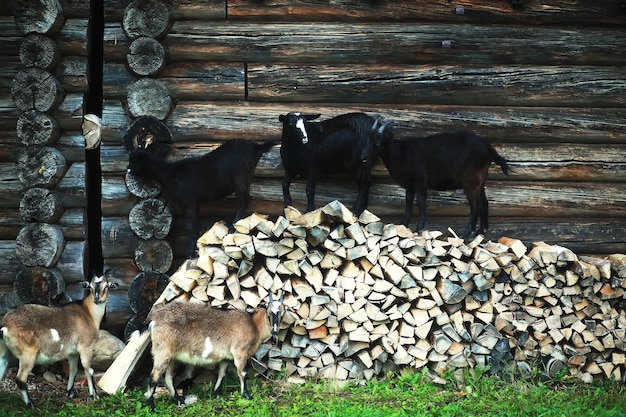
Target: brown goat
x,y
202,335
37,334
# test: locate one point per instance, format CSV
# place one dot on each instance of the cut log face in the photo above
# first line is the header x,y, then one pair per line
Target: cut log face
x,y
146,18
424,300
39,51
37,128
146,56
36,89
149,97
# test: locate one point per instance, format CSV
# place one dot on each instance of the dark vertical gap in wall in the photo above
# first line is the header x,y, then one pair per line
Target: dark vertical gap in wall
x,y
93,104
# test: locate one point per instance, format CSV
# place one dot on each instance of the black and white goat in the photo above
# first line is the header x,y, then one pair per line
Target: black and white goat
x,y
37,334
338,145
202,335
444,161
214,175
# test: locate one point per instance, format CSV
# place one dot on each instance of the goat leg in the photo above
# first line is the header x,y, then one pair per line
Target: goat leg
x,y
408,206
287,179
192,226
220,376
483,208
26,365
311,183
420,201
363,187
243,199
241,371
72,360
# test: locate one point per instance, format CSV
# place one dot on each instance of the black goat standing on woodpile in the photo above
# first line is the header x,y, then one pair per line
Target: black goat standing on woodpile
x,y
214,175
338,145
444,161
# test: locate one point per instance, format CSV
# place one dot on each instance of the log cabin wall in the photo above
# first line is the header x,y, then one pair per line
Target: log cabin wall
x,y
43,81
545,85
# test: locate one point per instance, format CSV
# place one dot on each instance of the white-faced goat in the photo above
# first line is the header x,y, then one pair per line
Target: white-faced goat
x,y
214,175
445,161
202,335
37,334
338,145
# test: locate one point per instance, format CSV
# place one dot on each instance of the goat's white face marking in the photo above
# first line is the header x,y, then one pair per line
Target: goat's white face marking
x,y
275,307
55,335
208,347
302,129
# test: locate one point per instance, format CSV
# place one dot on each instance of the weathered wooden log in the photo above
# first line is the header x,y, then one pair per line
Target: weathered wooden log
x,y
493,86
190,80
154,255
149,97
413,44
39,51
73,261
43,16
192,121
584,12
150,218
36,89
146,18
146,56
73,74
39,285
144,291
37,128
40,244
73,223
364,43
41,205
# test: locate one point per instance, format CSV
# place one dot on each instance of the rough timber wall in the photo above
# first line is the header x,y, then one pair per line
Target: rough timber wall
x,y
43,79
544,84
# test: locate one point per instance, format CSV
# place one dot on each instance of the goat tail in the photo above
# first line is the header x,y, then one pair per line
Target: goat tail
x,y
502,163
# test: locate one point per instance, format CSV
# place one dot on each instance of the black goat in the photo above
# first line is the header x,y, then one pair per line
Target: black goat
x,y
338,145
445,161
226,170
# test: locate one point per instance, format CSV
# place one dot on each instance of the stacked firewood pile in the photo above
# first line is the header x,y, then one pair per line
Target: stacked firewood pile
x,y
364,297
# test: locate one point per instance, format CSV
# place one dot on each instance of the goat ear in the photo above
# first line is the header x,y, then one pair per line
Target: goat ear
x,y
282,118
312,116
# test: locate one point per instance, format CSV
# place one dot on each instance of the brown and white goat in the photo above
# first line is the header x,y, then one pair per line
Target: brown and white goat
x,y
200,335
37,334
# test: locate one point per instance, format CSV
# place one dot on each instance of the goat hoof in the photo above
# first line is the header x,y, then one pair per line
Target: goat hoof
x,y
71,393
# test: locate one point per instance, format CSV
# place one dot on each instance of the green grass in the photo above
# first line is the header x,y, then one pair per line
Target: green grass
x,y
407,394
